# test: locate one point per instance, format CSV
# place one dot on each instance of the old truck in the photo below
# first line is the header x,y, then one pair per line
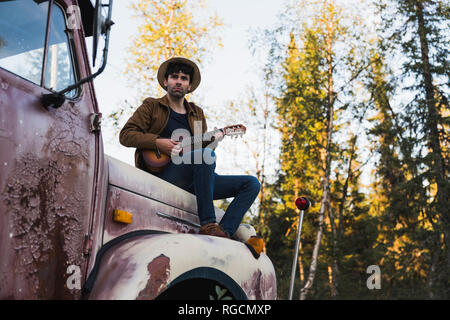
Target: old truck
x,y
76,223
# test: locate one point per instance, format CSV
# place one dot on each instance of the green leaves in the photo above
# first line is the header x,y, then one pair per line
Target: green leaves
x,y
220,294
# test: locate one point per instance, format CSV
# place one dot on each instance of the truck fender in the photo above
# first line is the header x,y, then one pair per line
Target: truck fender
x,y
144,264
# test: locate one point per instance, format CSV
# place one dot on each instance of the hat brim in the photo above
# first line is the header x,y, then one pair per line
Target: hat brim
x,y
195,81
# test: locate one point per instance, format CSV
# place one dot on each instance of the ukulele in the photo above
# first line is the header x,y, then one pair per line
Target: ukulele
x,y
156,162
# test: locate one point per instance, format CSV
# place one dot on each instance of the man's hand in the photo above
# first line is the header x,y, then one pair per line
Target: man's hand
x,y
218,136
168,146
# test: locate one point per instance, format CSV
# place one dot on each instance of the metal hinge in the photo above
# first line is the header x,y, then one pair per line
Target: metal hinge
x,y
87,244
95,120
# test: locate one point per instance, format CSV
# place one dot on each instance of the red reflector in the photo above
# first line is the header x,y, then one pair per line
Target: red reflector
x,y
302,203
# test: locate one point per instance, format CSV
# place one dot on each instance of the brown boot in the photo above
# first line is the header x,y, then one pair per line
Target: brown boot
x,y
213,229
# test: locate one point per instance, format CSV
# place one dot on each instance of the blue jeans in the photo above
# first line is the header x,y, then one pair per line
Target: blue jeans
x,y
201,180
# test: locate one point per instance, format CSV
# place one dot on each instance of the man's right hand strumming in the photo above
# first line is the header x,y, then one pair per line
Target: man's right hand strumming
x,y
168,146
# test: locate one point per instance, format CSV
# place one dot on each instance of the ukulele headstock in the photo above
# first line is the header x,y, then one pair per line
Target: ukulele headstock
x,y
235,130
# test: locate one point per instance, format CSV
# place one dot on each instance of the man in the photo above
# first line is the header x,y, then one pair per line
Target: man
x,y
152,126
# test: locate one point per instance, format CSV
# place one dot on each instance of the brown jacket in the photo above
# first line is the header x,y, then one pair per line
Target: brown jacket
x,y
149,120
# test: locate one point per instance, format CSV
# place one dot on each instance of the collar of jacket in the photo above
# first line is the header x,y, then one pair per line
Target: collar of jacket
x,y
165,102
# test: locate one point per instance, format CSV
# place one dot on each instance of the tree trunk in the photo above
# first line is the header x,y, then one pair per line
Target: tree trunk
x,y
325,202
300,265
334,274
313,267
337,230
433,131
262,200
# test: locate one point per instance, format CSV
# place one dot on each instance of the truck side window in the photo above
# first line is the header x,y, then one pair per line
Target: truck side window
x,y
59,71
22,40
22,37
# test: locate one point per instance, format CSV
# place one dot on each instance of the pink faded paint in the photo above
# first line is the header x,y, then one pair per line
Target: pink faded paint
x,y
261,286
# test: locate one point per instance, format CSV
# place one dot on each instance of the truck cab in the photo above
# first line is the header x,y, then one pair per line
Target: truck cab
x,y
76,223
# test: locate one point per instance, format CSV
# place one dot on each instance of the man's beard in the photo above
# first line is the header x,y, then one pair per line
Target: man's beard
x,y
177,93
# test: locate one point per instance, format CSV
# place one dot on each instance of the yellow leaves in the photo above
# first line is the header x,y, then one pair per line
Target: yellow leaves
x,y
170,28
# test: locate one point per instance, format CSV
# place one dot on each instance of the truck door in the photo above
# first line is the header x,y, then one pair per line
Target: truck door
x,y
48,157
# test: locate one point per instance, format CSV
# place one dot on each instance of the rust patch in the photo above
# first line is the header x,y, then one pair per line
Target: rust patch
x,y
159,270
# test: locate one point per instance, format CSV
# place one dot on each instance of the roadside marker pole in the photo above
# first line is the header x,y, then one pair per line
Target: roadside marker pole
x,y
302,204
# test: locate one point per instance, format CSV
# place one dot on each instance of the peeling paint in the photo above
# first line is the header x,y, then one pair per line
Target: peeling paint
x,y
45,193
45,223
159,270
65,136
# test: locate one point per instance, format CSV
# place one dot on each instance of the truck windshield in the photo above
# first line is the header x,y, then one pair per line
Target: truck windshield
x,y
22,40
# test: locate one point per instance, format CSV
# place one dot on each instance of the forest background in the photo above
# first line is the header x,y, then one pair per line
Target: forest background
x,y
348,106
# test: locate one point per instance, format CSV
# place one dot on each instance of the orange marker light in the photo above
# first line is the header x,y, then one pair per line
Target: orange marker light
x,y
123,216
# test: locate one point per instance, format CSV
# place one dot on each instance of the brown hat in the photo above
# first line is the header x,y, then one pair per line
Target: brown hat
x,y
195,81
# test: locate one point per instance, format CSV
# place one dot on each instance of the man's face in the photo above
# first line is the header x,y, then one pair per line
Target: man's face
x,y
177,84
